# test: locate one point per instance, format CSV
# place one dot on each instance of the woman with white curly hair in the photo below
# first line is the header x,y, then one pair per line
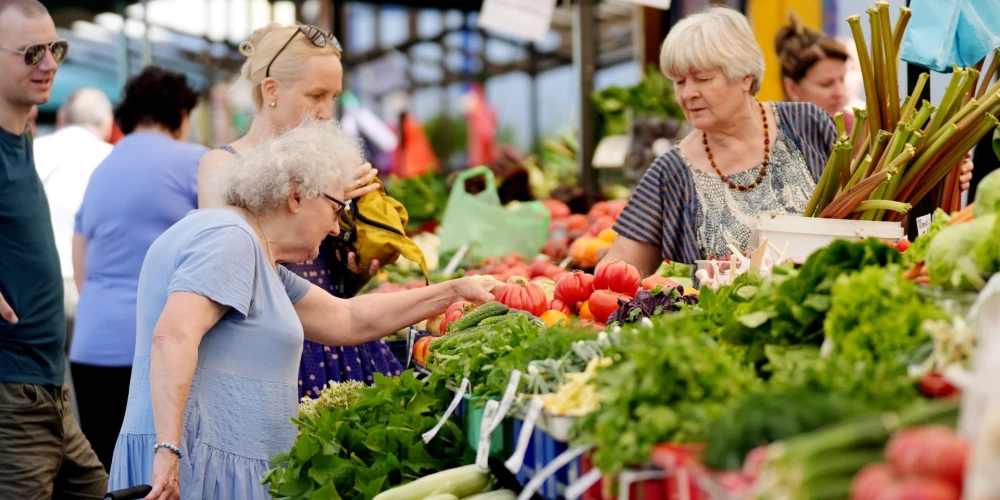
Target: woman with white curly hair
x,y
221,322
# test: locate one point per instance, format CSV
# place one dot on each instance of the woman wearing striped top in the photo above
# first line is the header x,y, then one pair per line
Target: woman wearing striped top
x,y
744,157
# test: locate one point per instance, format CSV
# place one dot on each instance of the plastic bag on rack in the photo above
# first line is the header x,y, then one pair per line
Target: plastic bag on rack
x,y
979,422
487,227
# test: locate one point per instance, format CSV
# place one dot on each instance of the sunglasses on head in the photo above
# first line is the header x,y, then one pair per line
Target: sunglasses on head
x,y
315,36
33,54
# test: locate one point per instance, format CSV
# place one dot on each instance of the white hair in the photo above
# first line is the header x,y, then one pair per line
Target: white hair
x,y
88,107
718,38
312,158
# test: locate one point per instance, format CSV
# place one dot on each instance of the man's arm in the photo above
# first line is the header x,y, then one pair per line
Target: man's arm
x,y
79,261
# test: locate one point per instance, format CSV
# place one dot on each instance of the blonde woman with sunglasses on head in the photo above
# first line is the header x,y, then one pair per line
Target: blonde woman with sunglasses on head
x,y
295,72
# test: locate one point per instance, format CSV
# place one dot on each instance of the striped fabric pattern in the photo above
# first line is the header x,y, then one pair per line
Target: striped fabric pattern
x,y
662,209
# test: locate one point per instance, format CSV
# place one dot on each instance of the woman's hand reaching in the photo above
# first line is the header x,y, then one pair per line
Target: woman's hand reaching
x,y
360,182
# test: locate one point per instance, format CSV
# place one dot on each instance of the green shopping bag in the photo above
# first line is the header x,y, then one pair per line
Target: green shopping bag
x,y
486,226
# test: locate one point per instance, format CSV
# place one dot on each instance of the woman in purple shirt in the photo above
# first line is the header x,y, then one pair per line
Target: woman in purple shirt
x,y
146,185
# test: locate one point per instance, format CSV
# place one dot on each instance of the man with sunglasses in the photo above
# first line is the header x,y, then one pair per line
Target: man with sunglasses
x,y
43,454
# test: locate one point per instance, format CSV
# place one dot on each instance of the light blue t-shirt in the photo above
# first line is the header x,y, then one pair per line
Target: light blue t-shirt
x,y
147,184
244,388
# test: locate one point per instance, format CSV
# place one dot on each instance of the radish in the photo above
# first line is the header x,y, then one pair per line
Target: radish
x,y
929,452
919,488
871,482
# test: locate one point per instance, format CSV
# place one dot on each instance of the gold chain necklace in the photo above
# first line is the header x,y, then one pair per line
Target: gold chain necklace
x,y
262,234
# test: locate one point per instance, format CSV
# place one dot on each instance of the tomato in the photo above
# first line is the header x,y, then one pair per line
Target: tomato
x,y
573,288
603,303
577,222
618,276
558,305
933,451
455,311
654,281
421,348
615,207
600,224
557,208
599,209
902,244
557,248
540,266
513,259
585,311
552,318
933,385
519,293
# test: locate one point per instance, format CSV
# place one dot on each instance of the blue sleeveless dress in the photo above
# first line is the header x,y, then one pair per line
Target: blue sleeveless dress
x,y
322,363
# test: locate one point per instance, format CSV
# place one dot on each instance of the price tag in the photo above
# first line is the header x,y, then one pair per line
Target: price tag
x,y
542,475
611,152
516,460
508,398
923,224
410,335
486,434
524,19
427,436
456,260
580,486
627,477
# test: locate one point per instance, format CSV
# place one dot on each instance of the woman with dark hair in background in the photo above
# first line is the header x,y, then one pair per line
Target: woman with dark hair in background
x,y
146,184
813,68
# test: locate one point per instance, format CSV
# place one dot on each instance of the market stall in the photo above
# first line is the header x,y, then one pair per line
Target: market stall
x,y
850,361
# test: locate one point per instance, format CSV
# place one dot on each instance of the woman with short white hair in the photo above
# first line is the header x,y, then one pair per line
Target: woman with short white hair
x,y
744,157
221,323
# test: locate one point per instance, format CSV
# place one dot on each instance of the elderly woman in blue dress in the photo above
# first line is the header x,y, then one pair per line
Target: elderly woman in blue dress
x,y
744,157
221,321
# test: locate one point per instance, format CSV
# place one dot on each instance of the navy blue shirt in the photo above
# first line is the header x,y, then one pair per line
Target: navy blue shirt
x,y
33,350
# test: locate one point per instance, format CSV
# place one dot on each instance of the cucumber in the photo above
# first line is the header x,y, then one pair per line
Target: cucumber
x,y
494,495
492,320
487,310
459,482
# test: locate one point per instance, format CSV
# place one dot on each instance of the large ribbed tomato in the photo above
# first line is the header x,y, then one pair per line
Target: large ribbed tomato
x,y
574,288
618,276
454,312
558,305
604,302
519,293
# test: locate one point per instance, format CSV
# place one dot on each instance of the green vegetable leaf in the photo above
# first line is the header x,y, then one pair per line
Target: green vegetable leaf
x,y
755,319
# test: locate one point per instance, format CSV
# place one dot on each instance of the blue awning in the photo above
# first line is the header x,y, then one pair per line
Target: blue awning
x,y
72,77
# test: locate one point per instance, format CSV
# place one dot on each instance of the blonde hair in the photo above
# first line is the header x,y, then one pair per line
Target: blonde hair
x,y
264,45
719,38
312,158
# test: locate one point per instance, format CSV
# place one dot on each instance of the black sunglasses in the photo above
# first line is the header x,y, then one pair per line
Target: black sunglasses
x,y
33,54
315,36
340,205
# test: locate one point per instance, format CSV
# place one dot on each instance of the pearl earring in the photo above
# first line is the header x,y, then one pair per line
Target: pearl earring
x,y
272,104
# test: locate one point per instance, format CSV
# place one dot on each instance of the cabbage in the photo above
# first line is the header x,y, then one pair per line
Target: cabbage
x,y
988,195
960,256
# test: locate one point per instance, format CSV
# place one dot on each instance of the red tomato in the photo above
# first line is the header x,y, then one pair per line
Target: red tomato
x,y
576,222
615,207
518,270
603,303
933,385
599,209
930,452
574,288
654,281
557,208
513,259
902,244
558,305
618,276
421,348
919,488
557,248
540,266
454,312
519,293
600,224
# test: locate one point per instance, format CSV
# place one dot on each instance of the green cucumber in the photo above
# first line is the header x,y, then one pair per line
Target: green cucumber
x,y
459,482
487,310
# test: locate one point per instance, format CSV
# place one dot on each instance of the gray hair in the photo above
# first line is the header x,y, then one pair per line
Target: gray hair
x,y
88,107
719,37
311,158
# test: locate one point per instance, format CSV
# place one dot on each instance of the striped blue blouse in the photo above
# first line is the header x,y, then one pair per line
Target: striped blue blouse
x,y
663,209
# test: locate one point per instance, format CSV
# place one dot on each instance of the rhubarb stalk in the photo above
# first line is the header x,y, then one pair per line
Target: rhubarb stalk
x,y
900,29
878,66
871,96
882,205
941,117
891,64
911,102
845,203
988,76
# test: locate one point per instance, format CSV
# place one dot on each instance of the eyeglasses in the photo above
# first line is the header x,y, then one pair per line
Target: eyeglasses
x,y
340,205
33,54
315,36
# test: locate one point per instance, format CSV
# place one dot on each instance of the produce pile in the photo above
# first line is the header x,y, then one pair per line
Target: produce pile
x,y
899,153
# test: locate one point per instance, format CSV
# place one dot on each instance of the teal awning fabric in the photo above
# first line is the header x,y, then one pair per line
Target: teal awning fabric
x,y
72,77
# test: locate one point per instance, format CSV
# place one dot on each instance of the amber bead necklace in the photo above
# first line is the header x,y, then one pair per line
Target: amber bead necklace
x,y
763,167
